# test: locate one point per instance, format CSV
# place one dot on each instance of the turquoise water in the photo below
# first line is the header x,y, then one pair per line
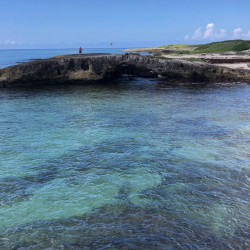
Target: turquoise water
x,y
128,163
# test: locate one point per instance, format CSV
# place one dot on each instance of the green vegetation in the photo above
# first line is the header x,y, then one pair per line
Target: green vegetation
x,y
179,46
232,45
181,52
216,47
158,54
193,59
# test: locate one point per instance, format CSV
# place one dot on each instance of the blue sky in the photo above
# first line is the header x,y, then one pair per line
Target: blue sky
x,y
126,23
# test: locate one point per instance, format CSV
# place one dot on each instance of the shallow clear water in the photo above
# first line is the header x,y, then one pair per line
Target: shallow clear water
x,y
127,164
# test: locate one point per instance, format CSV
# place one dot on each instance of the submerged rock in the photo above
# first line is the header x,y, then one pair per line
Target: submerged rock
x,y
95,67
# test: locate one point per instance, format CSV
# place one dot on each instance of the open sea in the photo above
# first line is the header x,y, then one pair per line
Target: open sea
x,y
128,164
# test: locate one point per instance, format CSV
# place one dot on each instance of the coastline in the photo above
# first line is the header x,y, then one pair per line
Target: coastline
x,y
232,60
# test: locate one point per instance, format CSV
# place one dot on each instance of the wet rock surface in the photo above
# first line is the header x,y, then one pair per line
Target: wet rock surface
x,y
95,67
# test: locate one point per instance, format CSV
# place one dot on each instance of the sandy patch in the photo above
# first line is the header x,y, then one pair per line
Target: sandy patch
x,y
235,65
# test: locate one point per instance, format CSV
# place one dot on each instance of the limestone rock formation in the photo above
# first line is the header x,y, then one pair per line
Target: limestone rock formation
x,y
95,67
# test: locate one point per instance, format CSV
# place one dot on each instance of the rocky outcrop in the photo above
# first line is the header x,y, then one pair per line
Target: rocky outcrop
x,y
95,67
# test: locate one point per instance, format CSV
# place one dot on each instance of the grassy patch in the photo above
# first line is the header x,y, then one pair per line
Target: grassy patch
x,y
158,54
216,47
193,59
178,46
182,52
232,45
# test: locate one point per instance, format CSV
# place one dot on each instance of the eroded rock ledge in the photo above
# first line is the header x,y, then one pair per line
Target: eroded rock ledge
x,y
94,67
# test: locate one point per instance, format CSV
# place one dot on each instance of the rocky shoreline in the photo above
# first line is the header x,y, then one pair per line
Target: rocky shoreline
x,y
231,59
87,68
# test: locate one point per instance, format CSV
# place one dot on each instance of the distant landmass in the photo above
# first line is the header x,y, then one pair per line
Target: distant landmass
x,y
215,47
231,54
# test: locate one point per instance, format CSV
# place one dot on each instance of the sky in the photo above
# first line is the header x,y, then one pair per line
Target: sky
x,y
125,23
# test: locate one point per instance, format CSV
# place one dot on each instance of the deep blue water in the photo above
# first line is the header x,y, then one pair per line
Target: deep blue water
x,y
129,164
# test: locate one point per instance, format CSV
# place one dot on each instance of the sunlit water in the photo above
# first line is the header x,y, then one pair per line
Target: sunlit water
x,y
127,164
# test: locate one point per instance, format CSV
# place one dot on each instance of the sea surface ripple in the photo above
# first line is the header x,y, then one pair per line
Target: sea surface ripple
x,y
127,164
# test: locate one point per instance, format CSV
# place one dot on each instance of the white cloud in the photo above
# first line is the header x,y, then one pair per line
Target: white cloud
x,y
209,31
197,34
237,33
220,34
